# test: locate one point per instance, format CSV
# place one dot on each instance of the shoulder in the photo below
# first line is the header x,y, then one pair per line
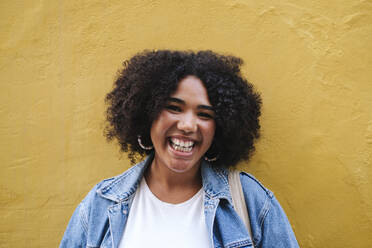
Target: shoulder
x,y
94,197
91,216
109,183
269,223
253,186
258,198
117,188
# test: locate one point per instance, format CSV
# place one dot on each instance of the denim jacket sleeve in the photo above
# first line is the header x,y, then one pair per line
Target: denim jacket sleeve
x,y
89,223
276,230
76,232
270,225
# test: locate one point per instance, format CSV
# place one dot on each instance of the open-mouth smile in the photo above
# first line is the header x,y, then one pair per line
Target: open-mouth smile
x,y
181,145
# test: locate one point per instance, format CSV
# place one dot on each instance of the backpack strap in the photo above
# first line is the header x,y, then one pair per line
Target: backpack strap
x,y
238,200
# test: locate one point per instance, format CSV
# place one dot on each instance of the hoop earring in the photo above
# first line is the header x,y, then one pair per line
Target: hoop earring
x,y
210,159
211,148
142,145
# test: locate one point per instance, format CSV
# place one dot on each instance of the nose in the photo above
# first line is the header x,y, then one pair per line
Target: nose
x,y
187,123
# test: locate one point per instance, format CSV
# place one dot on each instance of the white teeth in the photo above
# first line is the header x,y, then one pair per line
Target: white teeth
x,y
175,141
180,145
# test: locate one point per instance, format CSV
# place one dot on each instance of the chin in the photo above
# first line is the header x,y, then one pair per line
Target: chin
x,y
183,166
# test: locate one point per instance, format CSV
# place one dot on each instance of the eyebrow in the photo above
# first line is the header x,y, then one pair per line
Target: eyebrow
x,y
201,106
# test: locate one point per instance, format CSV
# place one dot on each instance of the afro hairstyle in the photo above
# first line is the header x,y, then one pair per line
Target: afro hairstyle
x,y
147,80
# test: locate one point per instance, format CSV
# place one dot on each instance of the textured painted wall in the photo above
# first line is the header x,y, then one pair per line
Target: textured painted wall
x,y
311,60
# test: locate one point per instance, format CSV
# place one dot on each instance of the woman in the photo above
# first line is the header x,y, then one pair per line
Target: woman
x,y
194,116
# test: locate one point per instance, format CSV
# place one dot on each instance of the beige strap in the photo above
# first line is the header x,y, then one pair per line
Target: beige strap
x,y
238,200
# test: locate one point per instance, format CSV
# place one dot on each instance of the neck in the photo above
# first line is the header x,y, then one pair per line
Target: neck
x,y
169,178
171,186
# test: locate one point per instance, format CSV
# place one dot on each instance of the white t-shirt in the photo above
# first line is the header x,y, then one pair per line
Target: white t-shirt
x,y
154,223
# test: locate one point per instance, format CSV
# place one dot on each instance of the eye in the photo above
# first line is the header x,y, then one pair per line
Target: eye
x,y
204,115
173,108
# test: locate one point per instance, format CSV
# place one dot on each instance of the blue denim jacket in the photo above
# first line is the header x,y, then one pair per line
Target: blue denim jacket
x,y
99,220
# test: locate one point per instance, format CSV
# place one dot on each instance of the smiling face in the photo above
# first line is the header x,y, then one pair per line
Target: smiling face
x,y
184,129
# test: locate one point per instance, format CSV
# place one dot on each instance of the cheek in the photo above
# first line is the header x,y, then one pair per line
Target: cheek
x,y
209,130
161,125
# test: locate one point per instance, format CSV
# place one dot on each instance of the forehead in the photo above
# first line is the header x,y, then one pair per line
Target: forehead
x,y
192,89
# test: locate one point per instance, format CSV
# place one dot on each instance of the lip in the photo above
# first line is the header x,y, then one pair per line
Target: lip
x,y
184,138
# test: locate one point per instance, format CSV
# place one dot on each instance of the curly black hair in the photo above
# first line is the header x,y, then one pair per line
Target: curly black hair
x,y
144,85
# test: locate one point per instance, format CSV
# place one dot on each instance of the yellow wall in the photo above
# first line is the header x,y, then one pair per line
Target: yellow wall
x,y
311,60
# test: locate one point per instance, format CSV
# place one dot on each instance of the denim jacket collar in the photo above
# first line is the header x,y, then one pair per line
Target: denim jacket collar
x,y
215,182
121,190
